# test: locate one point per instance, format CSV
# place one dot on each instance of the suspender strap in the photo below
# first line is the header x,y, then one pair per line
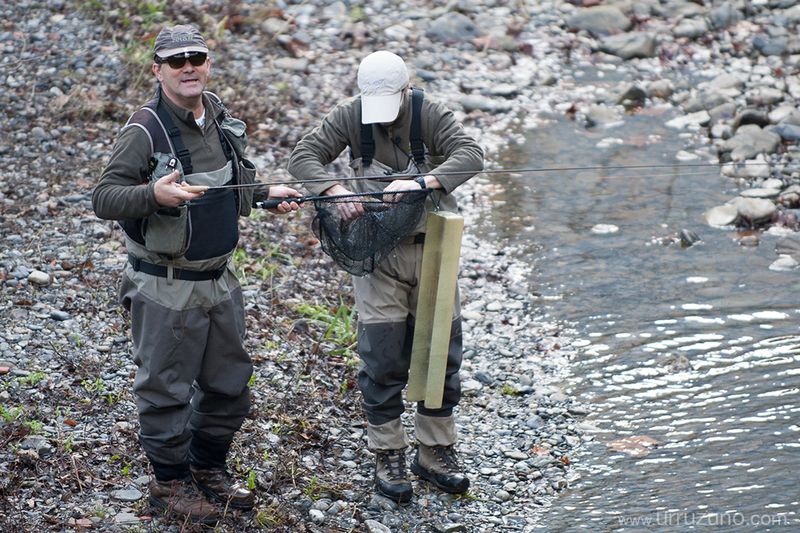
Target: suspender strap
x,y
367,145
147,118
417,146
175,136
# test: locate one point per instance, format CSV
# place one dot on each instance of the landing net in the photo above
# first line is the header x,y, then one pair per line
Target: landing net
x,y
360,244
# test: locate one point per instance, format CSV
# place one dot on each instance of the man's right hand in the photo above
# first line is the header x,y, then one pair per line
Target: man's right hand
x,y
347,210
170,193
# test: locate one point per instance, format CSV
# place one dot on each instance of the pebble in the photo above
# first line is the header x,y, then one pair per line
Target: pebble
x,y
374,526
38,277
127,495
60,315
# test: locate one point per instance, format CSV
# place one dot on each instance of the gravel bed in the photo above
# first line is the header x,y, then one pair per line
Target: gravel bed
x,y
71,72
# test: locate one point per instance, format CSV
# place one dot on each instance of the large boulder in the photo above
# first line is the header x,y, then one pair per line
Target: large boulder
x,y
451,28
749,141
630,45
754,211
600,20
690,28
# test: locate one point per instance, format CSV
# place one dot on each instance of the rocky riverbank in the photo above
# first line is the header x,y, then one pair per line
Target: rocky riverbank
x,y
72,72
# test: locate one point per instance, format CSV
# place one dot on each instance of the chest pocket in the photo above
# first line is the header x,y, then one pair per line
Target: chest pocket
x,y
168,231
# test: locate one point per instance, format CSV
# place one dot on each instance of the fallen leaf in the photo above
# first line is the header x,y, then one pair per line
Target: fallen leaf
x,y
635,446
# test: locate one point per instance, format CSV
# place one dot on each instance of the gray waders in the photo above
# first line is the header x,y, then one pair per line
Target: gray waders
x,y
386,301
191,383
192,368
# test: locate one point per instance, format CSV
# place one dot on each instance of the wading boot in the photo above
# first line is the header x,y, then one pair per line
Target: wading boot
x,y
391,479
439,465
219,486
179,497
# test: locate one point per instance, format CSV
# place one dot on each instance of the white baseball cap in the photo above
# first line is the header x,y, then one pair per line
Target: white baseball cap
x,y
382,76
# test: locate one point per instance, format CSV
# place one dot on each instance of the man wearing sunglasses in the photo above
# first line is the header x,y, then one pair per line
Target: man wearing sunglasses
x,y
185,303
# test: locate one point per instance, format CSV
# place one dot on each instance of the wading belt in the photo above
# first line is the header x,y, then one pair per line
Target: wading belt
x,y
177,273
417,146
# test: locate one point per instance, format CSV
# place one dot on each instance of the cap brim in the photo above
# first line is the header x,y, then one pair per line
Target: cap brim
x,y
164,54
380,109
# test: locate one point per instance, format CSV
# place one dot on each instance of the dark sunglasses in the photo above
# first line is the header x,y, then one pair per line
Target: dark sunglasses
x,y
178,61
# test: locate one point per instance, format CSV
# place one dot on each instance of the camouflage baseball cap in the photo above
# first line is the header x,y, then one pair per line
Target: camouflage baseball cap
x,y
180,39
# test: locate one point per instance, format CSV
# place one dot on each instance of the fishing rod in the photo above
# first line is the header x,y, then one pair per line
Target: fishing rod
x,y
404,175
380,204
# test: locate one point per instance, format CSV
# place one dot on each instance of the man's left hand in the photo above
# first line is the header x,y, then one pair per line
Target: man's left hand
x,y
399,187
282,191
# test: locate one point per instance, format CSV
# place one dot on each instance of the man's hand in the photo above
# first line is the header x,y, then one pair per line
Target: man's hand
x,y
347,210
400,186
282,191
170,193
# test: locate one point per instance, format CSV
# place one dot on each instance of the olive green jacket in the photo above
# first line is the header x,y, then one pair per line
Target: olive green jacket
x,y
124,192
445,140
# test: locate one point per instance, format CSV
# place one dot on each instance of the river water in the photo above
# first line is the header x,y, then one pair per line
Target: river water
x,y
688,357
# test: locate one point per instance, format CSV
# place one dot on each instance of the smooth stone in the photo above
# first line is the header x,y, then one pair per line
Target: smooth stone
x,y
127,495
760,193
37,277
721,215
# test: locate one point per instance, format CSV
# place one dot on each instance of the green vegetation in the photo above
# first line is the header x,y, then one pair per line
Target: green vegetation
x,y
96,386
16,414
31,379
269,517
312,489
35,426
126,469
262,268
10,414
470,496
357,14
341,325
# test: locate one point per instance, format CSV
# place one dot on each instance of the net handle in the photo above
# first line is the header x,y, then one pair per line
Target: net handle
x,y
273,203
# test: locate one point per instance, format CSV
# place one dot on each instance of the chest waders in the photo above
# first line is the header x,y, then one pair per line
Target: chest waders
x,y
187,324
386,300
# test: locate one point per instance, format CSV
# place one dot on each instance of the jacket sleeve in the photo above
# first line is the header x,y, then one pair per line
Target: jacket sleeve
x,y
445,136
320,147
122,192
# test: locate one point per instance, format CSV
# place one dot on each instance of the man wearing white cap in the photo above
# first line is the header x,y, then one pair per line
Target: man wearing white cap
x,y
391,128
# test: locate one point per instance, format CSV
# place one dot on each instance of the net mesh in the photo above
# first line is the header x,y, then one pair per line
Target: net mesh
x,y
360,244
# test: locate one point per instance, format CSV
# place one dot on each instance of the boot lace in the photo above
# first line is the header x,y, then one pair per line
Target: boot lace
x,y
446,457
394,461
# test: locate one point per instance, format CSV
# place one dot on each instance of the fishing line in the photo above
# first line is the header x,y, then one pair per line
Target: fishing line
x,y
660,175
272,203
392,177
